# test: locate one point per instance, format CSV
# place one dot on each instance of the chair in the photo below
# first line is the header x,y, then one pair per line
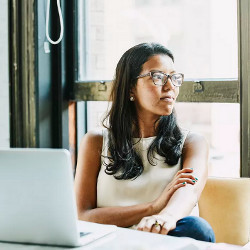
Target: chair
x,y
225,204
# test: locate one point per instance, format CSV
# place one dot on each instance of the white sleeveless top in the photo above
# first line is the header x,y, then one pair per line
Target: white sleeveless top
x,y
145,188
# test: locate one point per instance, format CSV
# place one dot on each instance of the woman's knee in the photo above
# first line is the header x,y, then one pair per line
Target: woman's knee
x,y
194,227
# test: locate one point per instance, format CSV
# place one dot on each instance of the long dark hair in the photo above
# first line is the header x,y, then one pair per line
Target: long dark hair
x,y
124,162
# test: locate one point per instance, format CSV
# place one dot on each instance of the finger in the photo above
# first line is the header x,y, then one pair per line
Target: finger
x,y
141,224
156,228
181,178
186,175
185,170
148,225
179,185
175,181
188,170
164,229
187,180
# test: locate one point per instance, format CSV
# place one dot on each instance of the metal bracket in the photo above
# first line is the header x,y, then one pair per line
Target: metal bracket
x,y
198,87
102,86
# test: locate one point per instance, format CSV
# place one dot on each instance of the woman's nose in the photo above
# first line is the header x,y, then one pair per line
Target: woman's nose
x,y
168,85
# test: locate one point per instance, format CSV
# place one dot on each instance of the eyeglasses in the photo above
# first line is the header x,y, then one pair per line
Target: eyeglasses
x,y
160,78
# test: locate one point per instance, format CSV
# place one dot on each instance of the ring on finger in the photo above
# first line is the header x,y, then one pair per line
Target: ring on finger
x,y
157,224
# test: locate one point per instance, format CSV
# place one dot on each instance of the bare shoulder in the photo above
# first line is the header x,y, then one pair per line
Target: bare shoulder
x,y
90,147
195,140
93,139
88,167
89,153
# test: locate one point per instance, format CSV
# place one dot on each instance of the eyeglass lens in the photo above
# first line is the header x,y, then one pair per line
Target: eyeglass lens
x,y
160,79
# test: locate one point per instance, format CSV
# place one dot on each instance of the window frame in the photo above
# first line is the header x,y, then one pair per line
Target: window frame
x,y
244,80
22,74
201,90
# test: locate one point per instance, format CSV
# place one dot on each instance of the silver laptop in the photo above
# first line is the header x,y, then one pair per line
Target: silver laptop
x,y
37,201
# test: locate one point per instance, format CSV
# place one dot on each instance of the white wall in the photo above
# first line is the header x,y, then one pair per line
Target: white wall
x,y
4,76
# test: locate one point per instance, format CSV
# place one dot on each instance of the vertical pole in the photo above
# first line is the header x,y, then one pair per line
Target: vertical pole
x,y
244,79
23,75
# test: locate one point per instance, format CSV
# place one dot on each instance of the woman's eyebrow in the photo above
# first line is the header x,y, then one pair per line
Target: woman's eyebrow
x,y
156,70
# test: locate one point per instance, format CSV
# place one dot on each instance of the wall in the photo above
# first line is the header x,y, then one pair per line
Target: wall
x,y
4,76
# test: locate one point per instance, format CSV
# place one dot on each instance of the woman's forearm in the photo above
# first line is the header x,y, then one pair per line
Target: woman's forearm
x,y
120,216
131,215
181,203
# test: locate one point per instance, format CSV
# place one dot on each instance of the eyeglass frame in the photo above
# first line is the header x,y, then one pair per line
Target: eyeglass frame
x,y
167,75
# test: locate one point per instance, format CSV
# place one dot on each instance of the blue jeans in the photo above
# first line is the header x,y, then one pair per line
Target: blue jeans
x,y
193,227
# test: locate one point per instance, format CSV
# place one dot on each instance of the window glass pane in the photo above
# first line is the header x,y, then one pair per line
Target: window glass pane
x,y
218,123
202,35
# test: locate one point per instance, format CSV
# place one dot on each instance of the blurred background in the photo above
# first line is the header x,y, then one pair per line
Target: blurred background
x,y
203,38
45,89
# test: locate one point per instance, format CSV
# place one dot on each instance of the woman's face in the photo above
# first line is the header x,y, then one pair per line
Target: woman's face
x,y
150,99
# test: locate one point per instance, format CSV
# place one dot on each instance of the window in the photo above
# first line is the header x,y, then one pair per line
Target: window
x,y
201,34
203,38
220,124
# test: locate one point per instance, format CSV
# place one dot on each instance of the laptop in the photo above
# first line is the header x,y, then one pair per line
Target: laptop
x,y
37,200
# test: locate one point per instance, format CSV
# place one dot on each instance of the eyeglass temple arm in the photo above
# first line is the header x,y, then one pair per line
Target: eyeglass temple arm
x,y
147,74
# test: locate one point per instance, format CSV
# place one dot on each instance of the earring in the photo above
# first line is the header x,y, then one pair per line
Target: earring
x,y
131,98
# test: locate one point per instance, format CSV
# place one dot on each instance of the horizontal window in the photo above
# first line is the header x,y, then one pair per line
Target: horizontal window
x,y
219,123
201,34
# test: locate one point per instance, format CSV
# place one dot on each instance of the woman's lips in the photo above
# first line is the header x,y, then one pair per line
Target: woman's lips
x,y
167,99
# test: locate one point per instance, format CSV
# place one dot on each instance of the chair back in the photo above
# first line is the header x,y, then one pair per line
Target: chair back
x,y
225,204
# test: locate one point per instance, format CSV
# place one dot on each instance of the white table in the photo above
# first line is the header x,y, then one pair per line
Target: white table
x,y
128,239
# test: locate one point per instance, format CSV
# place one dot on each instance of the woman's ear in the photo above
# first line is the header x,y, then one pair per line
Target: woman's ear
x,y
132,91
132,95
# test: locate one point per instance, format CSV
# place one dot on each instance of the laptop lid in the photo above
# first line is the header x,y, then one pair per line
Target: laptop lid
x,y
37,202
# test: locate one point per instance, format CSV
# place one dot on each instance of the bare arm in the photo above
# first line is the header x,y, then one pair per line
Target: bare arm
x,y
195,154
88,167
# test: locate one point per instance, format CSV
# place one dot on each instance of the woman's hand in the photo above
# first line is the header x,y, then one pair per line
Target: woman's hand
x,y
160,224
181,179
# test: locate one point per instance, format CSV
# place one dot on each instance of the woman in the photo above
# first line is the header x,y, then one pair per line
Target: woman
x,y
143,170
